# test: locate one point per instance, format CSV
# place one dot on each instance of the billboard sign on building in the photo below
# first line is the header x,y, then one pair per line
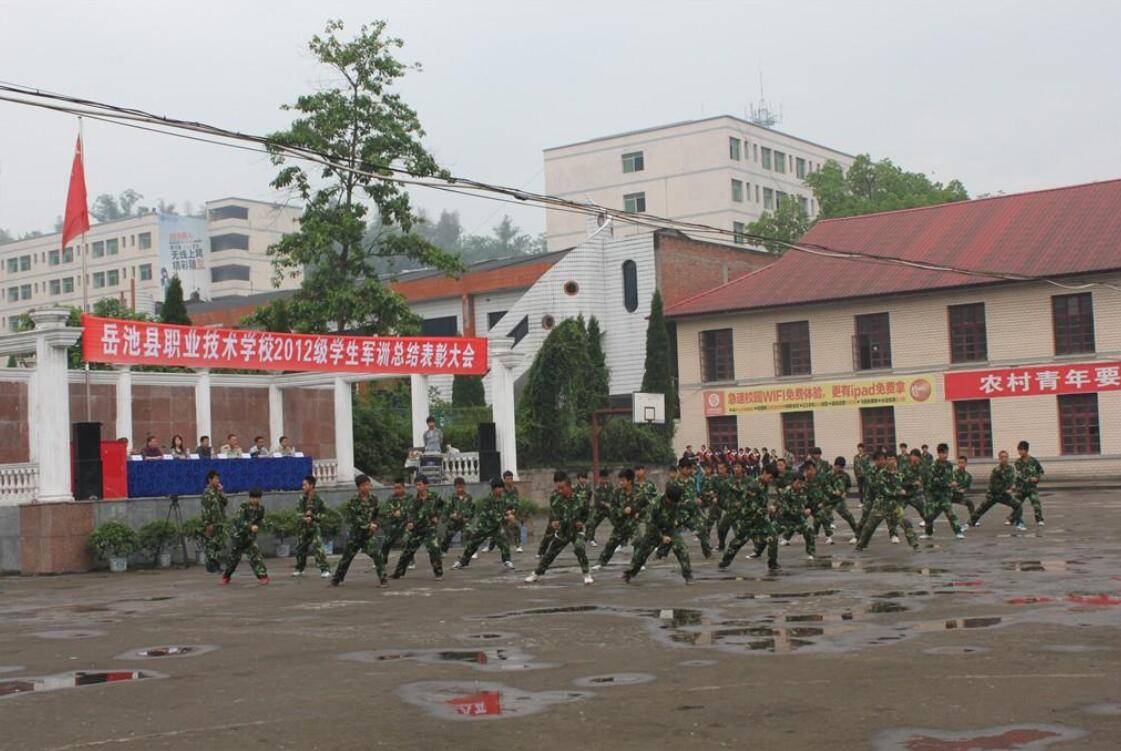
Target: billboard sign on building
x,y
866,392
1034,380
184,252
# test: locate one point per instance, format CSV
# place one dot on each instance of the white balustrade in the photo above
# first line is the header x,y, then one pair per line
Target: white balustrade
x,y
465,465
326,471
19,483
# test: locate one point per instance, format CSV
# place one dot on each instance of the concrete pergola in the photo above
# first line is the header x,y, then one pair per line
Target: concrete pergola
x,y
50,418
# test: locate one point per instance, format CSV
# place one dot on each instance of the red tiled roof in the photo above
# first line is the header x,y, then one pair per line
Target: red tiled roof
x,y
1053,233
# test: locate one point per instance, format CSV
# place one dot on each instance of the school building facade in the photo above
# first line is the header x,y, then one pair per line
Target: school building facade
x,y
1016,336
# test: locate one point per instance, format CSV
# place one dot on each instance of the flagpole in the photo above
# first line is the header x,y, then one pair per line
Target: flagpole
x,y
84,250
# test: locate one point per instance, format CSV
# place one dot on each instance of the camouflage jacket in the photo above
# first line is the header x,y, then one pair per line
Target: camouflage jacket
x,y
790,502
837,486
886,488
914,479
392,505
461,509
815,491
569,511
358,513
315,506
247,516
214,503
662,518
941,475
601,496
620,502
752,506
964,481
1028,469
862,466
490,514
1002,479
511,497
425,513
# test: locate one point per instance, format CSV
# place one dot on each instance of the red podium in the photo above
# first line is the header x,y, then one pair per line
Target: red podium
x,y
114,470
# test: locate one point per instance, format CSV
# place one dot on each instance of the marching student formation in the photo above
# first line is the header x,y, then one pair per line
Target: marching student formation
x,y
760,505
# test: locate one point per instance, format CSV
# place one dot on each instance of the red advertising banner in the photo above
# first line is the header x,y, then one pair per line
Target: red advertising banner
x,y
1034,380
139,343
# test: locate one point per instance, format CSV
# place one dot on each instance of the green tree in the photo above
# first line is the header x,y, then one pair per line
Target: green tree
x,y
657,375
6,236
868,187
788,223
364,127
601,376
382,430
107,207
468,391
174,309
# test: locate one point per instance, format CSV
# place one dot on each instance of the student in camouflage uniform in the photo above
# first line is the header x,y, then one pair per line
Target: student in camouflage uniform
x,y
753,521
783,476
816,494
489,520
392,516
927,457
691,512
960,484
717,489
512,525
915,479
645,491
422,528
837,486
460,510
1001,482
549,532
861,467
903,456
309,534
885,489
245,526
1028,474
601,505
795,515
662,528
571,515
940,497
361,514
214,504
733,500
624,516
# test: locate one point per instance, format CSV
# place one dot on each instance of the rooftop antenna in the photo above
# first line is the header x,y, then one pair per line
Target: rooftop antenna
x,y
763,113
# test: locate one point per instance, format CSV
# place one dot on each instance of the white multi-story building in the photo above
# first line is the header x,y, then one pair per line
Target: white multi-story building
x,y
721,171
222,254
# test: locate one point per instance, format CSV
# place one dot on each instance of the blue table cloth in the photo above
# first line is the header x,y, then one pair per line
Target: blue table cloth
x,y
148,479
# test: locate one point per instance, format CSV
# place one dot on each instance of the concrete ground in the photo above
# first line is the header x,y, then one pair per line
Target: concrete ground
x,y
1000,641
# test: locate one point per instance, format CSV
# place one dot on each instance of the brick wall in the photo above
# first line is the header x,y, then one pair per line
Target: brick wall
x,y
15,445
687,267
162,411
309,421
103,407
241,411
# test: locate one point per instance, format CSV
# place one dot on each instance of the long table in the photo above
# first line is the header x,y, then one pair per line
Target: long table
x,y
147,479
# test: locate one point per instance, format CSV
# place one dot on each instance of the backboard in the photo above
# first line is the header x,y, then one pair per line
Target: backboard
x,y
649,409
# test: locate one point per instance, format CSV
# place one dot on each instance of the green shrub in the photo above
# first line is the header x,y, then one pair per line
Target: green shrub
x,y
282,524
114,539
193,530
157,535
331,523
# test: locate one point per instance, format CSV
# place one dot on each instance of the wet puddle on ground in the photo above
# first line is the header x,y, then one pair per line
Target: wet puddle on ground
x,y
614,679
490,636
77,679
473,700
1002,738
73,633
498,659
178,650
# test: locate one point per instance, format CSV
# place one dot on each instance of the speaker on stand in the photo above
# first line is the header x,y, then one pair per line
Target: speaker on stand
x,y
87,461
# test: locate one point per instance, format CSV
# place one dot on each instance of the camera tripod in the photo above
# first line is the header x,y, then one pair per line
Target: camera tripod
x,y
175,512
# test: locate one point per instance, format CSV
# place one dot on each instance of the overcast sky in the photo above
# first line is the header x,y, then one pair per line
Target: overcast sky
x,y
1005,96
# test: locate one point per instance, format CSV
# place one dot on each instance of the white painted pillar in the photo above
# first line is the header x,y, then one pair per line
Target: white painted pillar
x,y
32,423
276,416
502,364
419,388
202,409
344,431
50,410
124,405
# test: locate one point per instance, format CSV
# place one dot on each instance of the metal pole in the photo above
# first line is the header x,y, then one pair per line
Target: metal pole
x,y
84,250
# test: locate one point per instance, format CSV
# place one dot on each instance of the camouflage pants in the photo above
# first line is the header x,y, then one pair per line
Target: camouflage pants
x,y
355,544
453,526
917,501
652,542
938,505
477,537
621,534
842,511
894,517
599,514
992,499
723,527
559,543
760,534
791,525
964,500
391,535
698,524
247,545
547,538
309,537
1030,495
512,531
215,549
413,543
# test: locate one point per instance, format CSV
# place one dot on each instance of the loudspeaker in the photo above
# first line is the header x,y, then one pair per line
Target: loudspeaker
x,y
490,465
488,440
87,441
87,480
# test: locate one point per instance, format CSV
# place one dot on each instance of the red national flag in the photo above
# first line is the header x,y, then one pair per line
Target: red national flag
x,y
77,218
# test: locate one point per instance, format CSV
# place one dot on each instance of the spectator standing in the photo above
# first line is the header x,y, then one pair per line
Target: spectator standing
x,y
433,438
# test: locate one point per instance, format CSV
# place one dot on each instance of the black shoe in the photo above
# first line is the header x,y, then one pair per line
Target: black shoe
x,y
383,582
335,582
396,575
721,568
627,577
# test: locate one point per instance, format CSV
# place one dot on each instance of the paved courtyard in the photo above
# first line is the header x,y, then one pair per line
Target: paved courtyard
x,y
1002,641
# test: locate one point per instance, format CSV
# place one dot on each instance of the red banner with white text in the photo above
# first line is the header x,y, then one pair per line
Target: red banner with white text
x,y
122,342
1034,380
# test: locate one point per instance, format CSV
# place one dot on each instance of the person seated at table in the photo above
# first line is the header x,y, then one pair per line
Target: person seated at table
x,y
433,438
203,450
152,449
259,450
178,450
231,449
128,449
286,447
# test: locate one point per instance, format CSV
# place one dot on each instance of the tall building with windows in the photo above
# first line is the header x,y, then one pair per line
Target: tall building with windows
x,y
722,171
220,254
882,354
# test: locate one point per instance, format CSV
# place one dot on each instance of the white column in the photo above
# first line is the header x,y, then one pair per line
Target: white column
x,y
419,388
50,409
344,431
32,424
124,404
276,415
502,364
202,408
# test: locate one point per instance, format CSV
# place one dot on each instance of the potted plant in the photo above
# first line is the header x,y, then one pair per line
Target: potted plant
x,y
115,541
158,536
330,525
283,525
524,513
193,531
